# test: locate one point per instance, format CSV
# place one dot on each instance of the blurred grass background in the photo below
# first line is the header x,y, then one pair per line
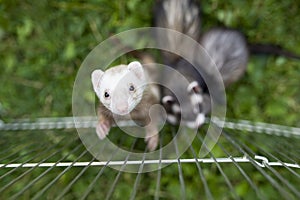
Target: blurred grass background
x,y
44,42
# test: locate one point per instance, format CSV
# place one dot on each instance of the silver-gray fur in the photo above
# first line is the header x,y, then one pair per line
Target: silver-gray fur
x,y
179,15
226,47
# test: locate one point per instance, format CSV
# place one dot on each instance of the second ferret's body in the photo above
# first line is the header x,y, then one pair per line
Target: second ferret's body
x,y
226,48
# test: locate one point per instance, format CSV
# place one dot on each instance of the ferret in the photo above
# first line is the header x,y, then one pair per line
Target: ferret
x,y
124,94
228,50
226,47
184,84
180,15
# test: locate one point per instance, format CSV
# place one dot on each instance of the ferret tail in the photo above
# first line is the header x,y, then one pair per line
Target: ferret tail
x,y
179,15
271,49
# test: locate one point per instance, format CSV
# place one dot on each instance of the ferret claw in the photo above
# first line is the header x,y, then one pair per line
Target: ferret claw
x,y
102,130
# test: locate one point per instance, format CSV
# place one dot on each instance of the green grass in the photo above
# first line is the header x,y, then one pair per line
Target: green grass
x,y
43,43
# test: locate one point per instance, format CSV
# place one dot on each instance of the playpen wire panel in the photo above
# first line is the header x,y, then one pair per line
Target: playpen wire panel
x,y
46,159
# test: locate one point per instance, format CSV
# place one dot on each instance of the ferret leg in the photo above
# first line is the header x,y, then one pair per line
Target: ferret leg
x,y
152,130
152,137
102,128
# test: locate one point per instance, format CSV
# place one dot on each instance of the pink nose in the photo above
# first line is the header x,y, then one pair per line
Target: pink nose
x,y
122,108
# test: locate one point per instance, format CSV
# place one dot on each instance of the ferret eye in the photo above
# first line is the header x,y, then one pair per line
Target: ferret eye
x,y
106,95
131,88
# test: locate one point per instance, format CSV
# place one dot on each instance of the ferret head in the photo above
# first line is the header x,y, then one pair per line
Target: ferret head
x,y
190,107
120,88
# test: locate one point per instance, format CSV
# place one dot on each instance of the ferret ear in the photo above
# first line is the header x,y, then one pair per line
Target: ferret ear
x,y
96,77
136,68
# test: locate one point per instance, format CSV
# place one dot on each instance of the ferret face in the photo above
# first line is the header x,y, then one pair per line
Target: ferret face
x,y
120,88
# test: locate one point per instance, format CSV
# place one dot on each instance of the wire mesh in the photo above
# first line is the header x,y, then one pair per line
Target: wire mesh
x,y
250,160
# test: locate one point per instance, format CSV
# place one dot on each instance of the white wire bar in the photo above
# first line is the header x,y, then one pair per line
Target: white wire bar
x,y
89,122
261,161
241,147
264,161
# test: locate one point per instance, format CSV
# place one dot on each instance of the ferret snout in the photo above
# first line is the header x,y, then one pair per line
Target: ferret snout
x,y
122,108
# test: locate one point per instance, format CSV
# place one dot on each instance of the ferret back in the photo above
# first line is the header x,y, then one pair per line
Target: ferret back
x,y
228,49
179,15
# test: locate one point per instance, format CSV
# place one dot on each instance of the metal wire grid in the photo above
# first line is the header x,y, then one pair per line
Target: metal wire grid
x,y
54,164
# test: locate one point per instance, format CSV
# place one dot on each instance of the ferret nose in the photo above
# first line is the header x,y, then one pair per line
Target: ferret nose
x,y
122,108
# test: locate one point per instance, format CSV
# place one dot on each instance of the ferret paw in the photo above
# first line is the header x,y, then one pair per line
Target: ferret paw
x,y
152,142
102,129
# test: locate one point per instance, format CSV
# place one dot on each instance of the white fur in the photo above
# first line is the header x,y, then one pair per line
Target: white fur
x,y
176,108
196,99
96,78
137,69
197,123
172,119
116,81
200,119
192,85
167,99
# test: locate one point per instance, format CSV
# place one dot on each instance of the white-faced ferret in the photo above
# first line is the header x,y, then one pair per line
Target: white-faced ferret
x,y
124,94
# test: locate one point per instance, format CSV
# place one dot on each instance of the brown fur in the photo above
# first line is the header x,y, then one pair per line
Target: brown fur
x,y
139,114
